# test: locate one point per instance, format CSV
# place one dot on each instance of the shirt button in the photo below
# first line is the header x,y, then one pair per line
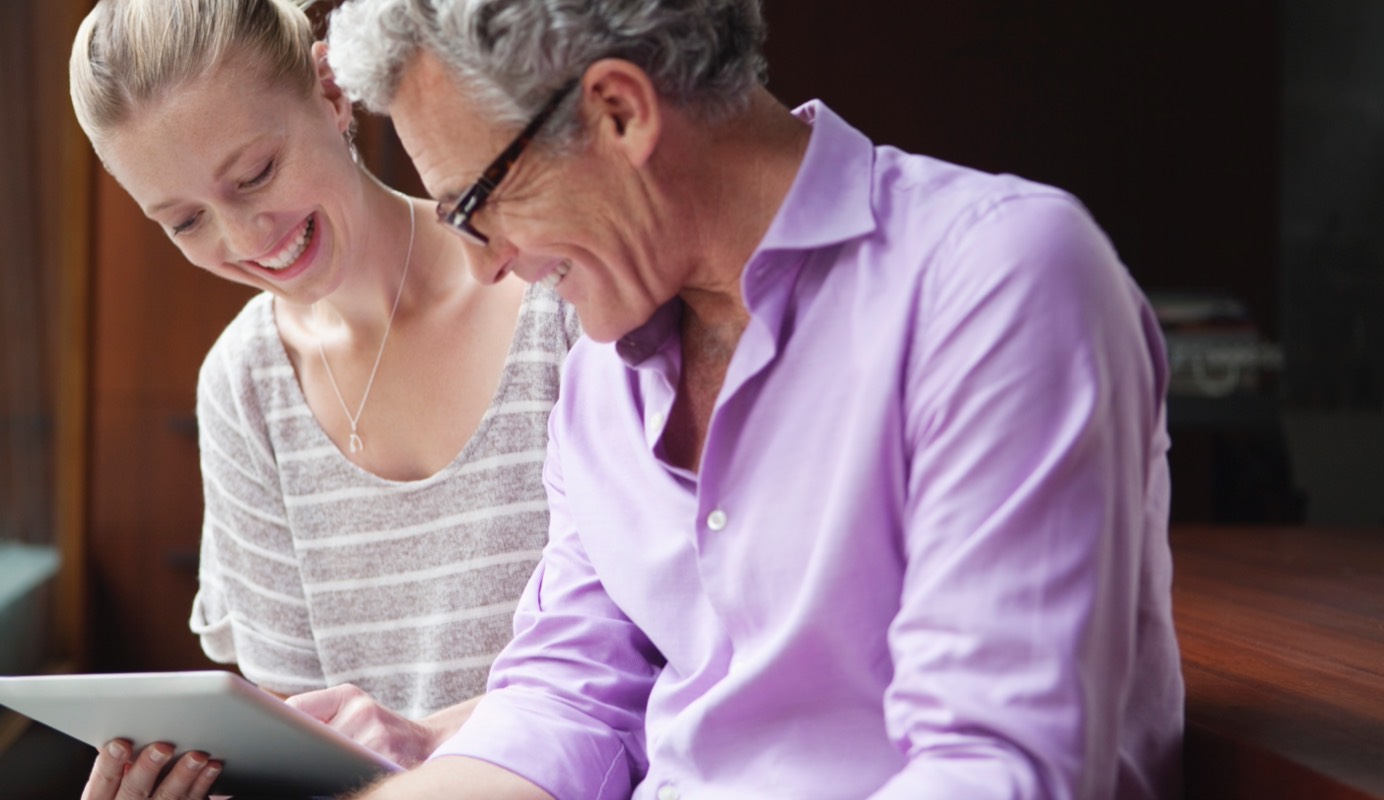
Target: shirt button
x,y
668,792
655,420
716,520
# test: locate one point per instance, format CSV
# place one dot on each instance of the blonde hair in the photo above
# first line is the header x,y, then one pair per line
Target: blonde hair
x,y
130,53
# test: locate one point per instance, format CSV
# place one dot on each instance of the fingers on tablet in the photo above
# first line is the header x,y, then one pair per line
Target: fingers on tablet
x,y
150,775
179,780
107,772
143,775
187,778
208,774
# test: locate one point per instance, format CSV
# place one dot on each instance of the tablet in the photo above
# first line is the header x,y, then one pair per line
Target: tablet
x,y
268,746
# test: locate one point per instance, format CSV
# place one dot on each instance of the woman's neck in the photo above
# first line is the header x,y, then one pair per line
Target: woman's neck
x,y
378,259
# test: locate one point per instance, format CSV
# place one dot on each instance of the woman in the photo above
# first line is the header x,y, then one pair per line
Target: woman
x,y
373,423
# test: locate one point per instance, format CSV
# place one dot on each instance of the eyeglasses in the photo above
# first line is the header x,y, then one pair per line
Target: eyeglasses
x,y
459,214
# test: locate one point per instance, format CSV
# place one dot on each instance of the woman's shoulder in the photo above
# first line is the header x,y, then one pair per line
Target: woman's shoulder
x,y
550,319
249,342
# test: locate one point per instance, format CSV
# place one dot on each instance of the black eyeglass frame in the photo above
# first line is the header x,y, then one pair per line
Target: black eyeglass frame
x,y
458,216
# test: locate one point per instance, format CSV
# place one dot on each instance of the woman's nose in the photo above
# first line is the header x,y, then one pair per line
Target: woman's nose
x,y
249,235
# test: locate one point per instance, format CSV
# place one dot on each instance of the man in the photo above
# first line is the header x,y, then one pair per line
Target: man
x,y
858,488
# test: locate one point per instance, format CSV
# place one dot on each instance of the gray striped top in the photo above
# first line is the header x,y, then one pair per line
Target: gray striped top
x,y
315,572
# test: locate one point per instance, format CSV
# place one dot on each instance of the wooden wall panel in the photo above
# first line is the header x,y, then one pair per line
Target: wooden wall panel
x,y
44,178
26,397
155,318
68,166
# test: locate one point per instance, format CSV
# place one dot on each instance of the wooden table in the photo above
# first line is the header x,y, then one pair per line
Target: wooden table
x,y
1282,635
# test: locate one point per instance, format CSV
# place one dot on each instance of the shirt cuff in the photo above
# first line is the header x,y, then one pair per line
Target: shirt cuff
x,y
547,743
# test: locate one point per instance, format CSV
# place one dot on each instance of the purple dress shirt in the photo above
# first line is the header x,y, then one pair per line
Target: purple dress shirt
x,y
925,555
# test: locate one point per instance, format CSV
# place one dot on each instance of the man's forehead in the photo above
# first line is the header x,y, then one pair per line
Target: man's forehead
x,y
440,126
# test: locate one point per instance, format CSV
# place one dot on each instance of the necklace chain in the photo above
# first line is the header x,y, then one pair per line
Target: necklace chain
x,y
355,444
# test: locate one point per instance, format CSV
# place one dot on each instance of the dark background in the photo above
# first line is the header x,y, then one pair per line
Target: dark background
x,y
1233,147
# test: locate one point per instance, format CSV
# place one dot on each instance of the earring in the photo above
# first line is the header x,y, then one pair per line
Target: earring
x,y
350,139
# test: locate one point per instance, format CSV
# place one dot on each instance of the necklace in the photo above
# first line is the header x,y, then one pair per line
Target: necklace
x,y
356,445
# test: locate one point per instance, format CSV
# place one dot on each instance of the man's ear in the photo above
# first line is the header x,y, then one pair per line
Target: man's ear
x,y
625,106
327,87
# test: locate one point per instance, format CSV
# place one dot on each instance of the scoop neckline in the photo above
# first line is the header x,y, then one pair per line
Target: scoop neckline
x,y
472,443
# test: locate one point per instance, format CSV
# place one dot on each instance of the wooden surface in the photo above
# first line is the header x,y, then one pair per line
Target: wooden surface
x,y
1282,635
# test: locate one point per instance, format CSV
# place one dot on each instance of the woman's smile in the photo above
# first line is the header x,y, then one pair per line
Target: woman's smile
x,y
294,253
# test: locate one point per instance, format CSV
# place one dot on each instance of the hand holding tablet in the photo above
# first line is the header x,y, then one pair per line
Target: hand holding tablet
x,y
265,745
152,772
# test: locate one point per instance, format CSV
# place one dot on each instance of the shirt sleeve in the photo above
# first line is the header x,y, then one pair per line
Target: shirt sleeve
x,y
250,607
576,677
1034,421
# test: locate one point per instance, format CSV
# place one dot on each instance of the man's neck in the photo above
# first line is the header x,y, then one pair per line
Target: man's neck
x,y
734,188
737,185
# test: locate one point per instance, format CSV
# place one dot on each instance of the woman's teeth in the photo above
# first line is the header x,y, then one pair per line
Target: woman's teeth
x,y
552,279
293,251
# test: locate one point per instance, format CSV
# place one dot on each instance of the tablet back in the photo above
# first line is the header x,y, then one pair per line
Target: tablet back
x,y
267,745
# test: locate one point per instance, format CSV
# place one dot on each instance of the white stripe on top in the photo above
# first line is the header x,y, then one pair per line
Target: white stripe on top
x,y
315,571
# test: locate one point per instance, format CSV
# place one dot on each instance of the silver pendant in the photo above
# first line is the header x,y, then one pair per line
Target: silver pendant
x,y
356,444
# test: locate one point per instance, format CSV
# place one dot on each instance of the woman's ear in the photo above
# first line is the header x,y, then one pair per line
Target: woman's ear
x,y
330,91
622,100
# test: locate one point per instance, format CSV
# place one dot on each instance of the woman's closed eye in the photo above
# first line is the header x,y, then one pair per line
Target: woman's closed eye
x,y
187,224
261,178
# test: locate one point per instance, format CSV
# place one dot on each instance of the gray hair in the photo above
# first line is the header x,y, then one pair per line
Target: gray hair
x,y
128,53
703,55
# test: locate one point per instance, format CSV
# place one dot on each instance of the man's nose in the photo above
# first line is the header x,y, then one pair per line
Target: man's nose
x,y
490,263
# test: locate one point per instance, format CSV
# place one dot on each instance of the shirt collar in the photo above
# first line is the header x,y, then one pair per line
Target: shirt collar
x,y
829,201
642,342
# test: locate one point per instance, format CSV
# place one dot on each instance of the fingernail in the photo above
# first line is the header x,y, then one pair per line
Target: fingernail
x,y
213,770
157,756
116,750
195,762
